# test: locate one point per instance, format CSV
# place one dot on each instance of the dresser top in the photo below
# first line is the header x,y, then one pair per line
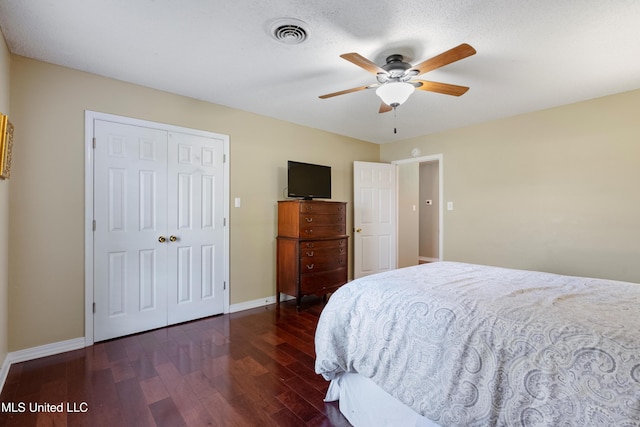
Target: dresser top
x,y
308,201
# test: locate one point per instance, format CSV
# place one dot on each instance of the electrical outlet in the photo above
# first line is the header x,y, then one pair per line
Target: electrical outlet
x,y
449,206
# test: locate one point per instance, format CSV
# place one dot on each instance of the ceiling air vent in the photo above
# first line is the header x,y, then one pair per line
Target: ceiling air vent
x,y
289,31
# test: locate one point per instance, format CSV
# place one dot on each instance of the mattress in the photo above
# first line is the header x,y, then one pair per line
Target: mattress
x,y
463,344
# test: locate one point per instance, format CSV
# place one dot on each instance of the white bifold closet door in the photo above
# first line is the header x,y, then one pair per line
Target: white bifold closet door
x,y
159,231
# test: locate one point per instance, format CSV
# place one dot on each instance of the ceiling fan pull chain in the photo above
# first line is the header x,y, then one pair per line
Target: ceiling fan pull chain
x,y
395,121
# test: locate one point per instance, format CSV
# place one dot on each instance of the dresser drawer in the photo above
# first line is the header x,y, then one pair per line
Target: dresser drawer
x,y
321,283
320,244
322,262
319,219
312,231
323,208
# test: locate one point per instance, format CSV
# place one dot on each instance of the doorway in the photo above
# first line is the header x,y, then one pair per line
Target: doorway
x,y
428,211
420,210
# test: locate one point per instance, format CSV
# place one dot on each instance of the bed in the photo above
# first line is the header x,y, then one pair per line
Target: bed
x,y
454,344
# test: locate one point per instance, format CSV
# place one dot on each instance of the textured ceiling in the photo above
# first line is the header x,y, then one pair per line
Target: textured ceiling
x,y
531,54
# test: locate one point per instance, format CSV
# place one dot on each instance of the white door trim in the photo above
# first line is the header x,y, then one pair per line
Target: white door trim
x,y
440,159
89,118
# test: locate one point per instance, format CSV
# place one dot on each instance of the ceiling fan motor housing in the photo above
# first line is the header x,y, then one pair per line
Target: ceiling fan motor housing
x,y
395,65
396,69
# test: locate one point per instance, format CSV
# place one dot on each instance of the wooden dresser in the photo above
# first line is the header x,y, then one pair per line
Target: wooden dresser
x,y
312,248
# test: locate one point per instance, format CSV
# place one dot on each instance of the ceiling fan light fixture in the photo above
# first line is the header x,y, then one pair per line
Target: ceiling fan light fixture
x,y
395,93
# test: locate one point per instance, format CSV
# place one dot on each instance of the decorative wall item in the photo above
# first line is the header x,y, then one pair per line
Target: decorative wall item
x,y
6,144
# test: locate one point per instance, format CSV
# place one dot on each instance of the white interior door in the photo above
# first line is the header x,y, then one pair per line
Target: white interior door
x,y
159,239
130,204
196,224
374,218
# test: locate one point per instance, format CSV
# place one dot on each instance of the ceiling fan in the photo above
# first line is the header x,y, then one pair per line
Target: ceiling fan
x,y
396,80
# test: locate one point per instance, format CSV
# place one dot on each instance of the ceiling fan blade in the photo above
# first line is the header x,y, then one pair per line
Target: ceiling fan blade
x,y
343,92
445,88
452,55
362,62
384,108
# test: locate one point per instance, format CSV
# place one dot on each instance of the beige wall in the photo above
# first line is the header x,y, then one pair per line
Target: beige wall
x,y
4,209
554,190
47,199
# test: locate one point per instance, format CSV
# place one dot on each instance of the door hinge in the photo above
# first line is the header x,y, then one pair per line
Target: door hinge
x,y
224,158
94,225
224,222
224,286
94,308
94,142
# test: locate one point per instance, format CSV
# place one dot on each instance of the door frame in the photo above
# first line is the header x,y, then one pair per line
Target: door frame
x,y
89,117
440,159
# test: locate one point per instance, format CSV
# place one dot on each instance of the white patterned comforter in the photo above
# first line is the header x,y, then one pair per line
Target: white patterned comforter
x,y
469,345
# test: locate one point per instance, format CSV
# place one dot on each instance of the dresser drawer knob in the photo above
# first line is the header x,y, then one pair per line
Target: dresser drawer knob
x,y
309,253
308,219
309,266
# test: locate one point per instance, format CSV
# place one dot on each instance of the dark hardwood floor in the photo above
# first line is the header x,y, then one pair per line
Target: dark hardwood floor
x,y
251,368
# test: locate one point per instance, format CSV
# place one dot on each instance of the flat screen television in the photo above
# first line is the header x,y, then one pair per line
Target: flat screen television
x,y
308,181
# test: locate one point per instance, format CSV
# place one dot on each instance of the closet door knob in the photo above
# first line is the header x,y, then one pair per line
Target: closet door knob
x,y
162,239
173,238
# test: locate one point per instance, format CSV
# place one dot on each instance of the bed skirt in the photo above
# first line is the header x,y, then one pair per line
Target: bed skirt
x,y
363,403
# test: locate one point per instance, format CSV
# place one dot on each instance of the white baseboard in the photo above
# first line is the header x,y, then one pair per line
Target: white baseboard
x,y
36,353
45,350
261,302
4,371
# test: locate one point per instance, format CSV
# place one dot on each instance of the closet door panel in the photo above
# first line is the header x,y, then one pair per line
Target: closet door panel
x,y
130,204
